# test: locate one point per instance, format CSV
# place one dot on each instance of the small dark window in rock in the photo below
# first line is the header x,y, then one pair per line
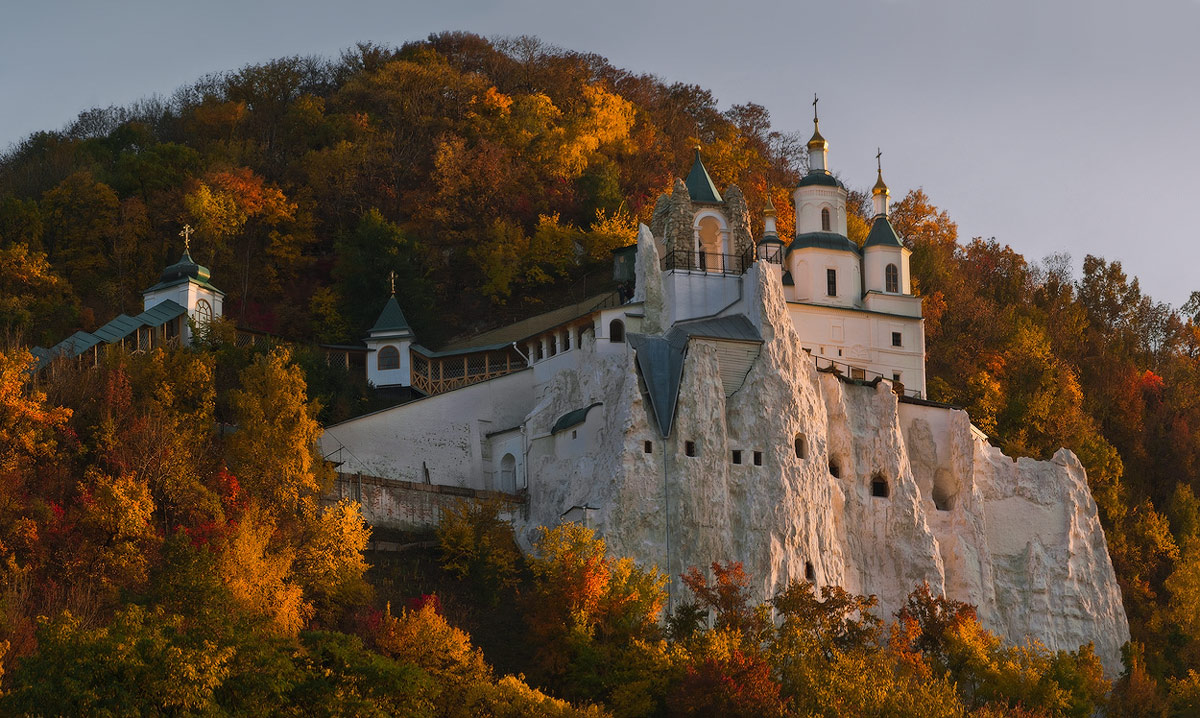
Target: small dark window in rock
x,y
648,447
616,331
810,574
737,456
879,486
835,468
801,446
758,458
689,448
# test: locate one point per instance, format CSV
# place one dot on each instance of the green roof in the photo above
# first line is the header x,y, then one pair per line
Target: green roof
x,y
823,240
820,178
185,270
572,418
391,319
882,234
700,186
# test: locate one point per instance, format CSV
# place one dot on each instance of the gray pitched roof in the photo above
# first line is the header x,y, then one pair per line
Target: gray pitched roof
x,y
391,319
882,234
735,327
700,186
112,332
660,359
661,364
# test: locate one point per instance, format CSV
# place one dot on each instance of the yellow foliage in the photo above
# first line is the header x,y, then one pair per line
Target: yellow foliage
x,y
510,697
273,452
26,424
423,638
257,574
330,561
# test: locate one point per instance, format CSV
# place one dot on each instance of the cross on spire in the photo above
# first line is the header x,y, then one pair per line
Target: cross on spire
x,y
187,237
392,279
878,161
815,99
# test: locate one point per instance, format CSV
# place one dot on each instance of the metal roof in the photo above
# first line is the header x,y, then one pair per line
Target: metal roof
x,y
117,328
391,319
532,326
161,313
572,418
882,234
823,240
820,178
661,365
735,327
700,186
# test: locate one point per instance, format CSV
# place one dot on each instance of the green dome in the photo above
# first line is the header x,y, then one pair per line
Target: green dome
x,y
185,268
821,179
823,240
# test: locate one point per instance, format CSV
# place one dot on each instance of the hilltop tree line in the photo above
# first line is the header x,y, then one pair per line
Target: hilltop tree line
x,y
493,177
486,174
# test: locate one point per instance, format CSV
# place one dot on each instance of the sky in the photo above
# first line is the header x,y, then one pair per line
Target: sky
x,y
1051,125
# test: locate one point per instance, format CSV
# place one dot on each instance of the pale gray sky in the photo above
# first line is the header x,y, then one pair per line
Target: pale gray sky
x,y
1052,125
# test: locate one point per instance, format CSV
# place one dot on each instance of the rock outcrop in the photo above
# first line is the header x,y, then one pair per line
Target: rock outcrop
x,y
838,481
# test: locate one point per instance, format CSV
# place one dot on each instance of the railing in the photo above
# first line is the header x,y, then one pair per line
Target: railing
x,y
856,373
772,253
437,375
708,261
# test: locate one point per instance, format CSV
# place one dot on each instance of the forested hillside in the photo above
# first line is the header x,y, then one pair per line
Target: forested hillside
x,y
494,177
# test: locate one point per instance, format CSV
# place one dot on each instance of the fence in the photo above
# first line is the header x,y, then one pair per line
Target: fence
x,y
708,261
856,373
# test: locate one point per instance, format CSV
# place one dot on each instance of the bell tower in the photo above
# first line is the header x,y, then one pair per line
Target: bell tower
x,y
186,283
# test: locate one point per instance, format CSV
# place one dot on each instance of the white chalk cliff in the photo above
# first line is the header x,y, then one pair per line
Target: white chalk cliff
x,y
1021,540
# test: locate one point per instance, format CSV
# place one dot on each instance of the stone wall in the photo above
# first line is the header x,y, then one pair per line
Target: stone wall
x,y
410,506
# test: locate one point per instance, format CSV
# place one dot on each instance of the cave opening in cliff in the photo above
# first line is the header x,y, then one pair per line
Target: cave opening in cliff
x,y
810,574
835,467
801,446
879,486
943,500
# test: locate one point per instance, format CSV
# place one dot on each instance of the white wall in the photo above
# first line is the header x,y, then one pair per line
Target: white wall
x,y
875,261
808,267
507,443
186,294
401,376
691,294
809,203
864,339
444,433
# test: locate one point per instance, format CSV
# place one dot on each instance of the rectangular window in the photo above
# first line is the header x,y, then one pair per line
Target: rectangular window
x,y
831,282
856,373
648,447
758,458
737,456
896,377
689,448
896,339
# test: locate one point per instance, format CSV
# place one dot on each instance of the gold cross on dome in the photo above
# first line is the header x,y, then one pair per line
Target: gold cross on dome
x,y
187,236
815,98
392,277
878,162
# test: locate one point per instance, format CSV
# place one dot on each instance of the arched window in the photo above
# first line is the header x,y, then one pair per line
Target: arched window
x,y
891,278
389,358
508,474
825,224
879,486
616,331
801,446
203,312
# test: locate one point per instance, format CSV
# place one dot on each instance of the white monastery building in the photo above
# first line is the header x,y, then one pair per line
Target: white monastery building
x,y
750,399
